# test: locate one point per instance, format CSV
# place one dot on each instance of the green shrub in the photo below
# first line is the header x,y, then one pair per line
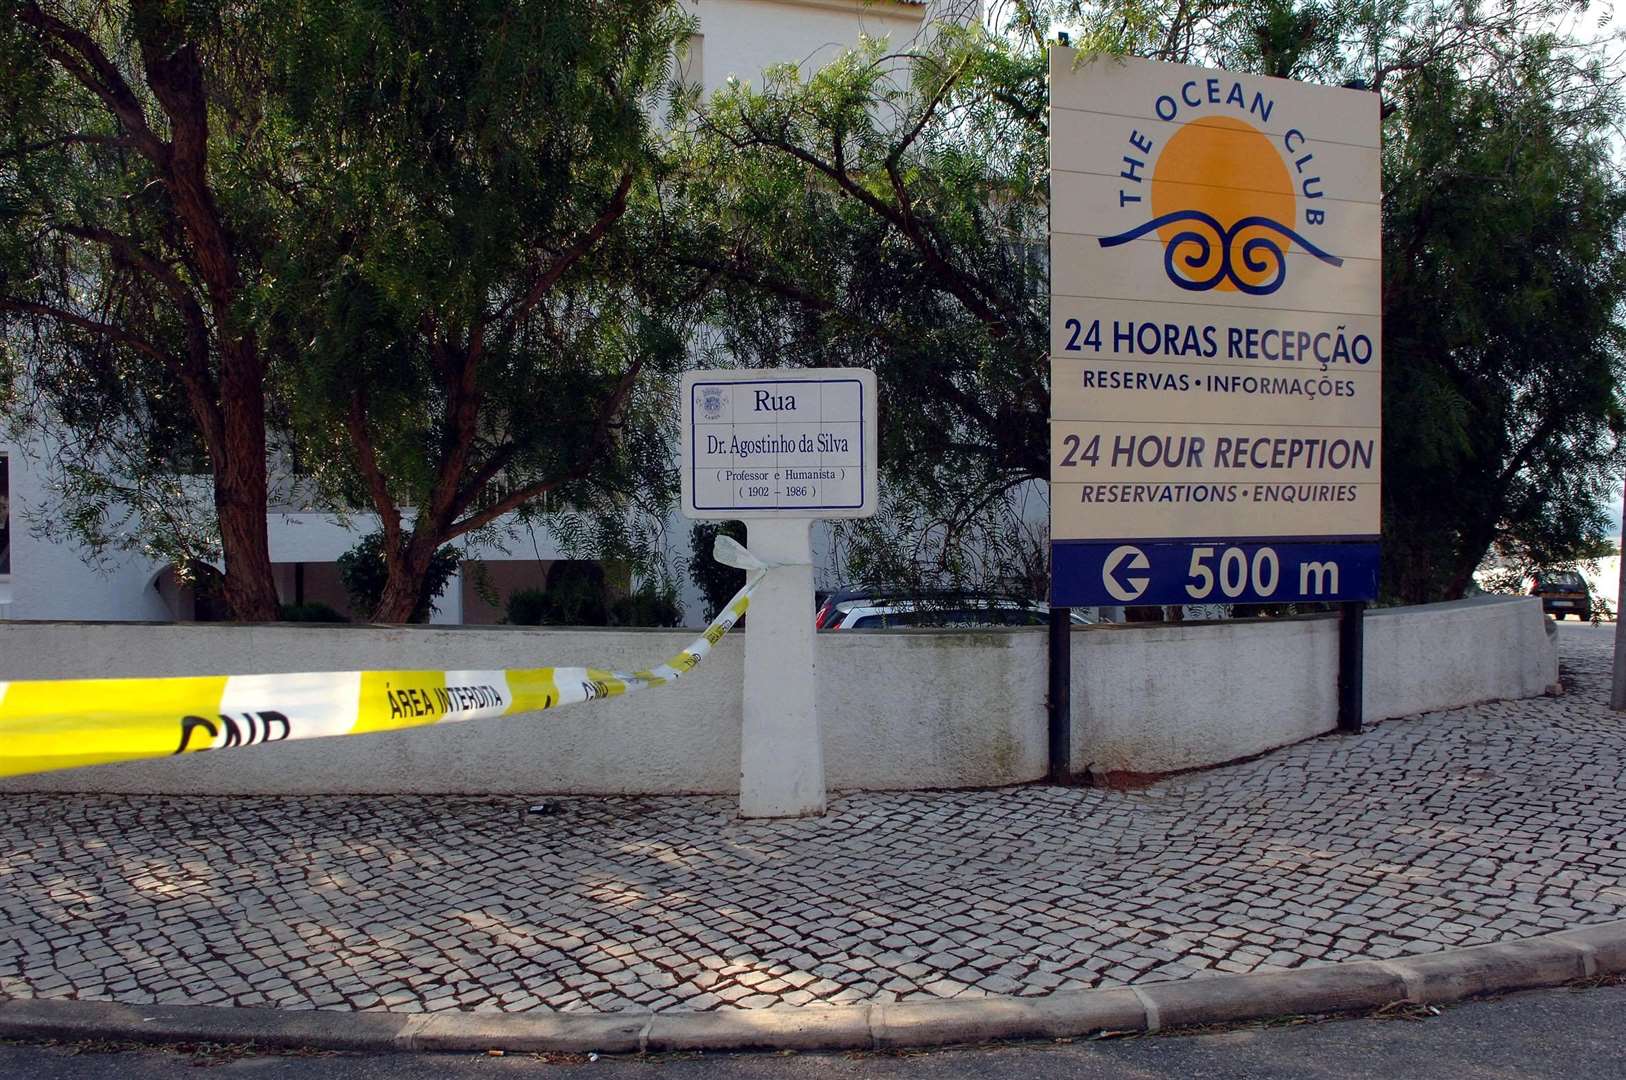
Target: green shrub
x,y
364,573
717,583
314,612
576,595
646,607
527,607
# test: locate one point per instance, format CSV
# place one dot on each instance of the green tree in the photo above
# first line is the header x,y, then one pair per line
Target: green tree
x,y
415,242
364,571
890,212
130,228
716,582
1504,277
467,280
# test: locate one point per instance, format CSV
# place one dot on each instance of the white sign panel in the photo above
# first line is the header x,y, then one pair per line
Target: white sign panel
x,y
1215,337
779,443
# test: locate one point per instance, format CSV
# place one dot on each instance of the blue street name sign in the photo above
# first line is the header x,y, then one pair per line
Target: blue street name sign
x,y
1094,573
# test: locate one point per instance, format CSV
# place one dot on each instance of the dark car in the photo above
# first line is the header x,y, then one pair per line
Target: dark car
x,y
1563,592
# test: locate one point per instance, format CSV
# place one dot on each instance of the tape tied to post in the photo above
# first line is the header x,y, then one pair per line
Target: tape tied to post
x,y
53,724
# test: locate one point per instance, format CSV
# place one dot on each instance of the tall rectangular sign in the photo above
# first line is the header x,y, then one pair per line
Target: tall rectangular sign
x,y
1215,300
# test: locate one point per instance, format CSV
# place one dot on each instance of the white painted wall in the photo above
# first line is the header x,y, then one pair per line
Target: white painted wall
x,y
51,579
909,710
920,710
933,708
1440,656
740,38
1151,698
1156,699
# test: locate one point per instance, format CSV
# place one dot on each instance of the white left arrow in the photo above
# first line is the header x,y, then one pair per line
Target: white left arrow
x,y
1127,557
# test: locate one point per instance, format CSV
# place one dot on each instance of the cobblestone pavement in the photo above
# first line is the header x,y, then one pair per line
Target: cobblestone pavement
x,y
1449,829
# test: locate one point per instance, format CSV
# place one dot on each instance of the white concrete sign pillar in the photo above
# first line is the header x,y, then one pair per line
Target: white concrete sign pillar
x,y
781,743
778,450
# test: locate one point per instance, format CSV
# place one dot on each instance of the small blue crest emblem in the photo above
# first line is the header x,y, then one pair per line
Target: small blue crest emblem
x,y
712,400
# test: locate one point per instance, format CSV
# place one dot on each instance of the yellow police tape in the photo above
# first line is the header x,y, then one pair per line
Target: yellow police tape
x,y
63,724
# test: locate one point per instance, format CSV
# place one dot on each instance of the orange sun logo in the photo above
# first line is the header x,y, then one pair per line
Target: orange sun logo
x,y
1233,237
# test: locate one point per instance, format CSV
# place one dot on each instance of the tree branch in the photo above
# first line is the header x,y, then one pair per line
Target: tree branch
x,y
573,252
1176,28
186,304
175,77
112,333
496,463
77,138
810,301
899,217
79,54
926,114
601,437
1544,430
512,501
750,276
389,515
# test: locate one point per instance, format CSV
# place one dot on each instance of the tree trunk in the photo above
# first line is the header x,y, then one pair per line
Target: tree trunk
x,y
1475,542
250,590
403,588
175,74
241,490
234,429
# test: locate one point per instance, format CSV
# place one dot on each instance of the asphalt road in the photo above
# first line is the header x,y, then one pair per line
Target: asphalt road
x,y
1568,1033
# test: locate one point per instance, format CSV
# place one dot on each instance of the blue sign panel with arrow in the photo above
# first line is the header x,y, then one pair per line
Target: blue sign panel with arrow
x,y
1088,574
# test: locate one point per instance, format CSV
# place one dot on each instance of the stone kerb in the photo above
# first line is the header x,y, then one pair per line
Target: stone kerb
x,y
1440,978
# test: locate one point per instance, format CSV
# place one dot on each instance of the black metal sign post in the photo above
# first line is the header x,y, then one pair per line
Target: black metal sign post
x,y
1351,665
1617,692
1060,697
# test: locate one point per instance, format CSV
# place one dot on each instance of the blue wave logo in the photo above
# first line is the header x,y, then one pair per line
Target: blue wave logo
x,y
1189,252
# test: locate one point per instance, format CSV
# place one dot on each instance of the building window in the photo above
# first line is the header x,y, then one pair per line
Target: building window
x,y
5,516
